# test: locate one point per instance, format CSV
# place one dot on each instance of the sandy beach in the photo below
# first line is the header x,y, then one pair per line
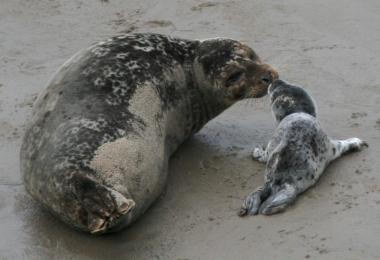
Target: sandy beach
x,y
332,48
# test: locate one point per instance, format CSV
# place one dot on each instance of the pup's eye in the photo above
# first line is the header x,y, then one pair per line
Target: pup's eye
x,y
234,78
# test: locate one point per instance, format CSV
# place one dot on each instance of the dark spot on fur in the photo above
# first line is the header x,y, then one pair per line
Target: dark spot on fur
x,y
45,117
352,148
314,146
47,114
84,184
211,60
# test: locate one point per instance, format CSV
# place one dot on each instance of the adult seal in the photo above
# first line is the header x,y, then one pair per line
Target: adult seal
x,y
97,148
297,154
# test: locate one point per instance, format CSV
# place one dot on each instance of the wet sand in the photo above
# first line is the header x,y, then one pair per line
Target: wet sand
x,y
330,47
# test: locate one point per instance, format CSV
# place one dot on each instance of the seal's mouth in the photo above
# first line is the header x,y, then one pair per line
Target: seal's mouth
x,y
259,95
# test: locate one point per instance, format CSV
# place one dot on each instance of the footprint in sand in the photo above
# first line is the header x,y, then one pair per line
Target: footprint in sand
x,y
159,23
201,6
358,115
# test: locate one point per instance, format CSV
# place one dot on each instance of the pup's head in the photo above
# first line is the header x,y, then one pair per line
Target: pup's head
x,y
233,70
287,99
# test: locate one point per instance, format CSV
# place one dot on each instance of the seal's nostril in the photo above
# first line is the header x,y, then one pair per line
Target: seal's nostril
x,y
267,79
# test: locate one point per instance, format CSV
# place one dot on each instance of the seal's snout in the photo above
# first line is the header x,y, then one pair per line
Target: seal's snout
x,y
275,84
278,82
268,77
262,76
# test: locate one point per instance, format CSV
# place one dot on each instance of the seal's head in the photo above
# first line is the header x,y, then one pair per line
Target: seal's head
x,y
287,99
234,69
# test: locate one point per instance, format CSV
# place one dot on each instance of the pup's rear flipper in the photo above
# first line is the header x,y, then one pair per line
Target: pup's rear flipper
x,y
251,204
279,200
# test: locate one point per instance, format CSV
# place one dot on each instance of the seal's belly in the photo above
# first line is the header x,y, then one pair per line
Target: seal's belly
x,y
136,163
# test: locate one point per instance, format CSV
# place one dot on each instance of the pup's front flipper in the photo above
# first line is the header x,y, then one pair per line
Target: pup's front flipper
x,y
260,154
341,147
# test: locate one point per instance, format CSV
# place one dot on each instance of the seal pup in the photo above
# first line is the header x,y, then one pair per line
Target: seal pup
x,y
97,148
297,154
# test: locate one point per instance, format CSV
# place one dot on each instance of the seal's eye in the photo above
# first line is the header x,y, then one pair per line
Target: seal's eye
x,y
235,77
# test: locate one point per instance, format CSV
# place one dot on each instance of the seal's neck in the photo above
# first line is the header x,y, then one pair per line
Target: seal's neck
x,y
200,103
205,101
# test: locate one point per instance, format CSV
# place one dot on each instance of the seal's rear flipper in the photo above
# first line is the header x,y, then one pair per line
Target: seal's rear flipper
x,y
100,207
253,201
278,201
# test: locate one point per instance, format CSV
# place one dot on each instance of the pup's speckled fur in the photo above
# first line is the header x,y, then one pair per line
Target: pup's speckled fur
x,y
297,154
97,148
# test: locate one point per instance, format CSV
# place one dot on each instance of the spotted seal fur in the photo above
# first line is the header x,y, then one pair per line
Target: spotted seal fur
x,y
97,148
297,154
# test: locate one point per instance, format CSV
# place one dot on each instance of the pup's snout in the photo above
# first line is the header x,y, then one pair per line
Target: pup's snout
x,y
275,84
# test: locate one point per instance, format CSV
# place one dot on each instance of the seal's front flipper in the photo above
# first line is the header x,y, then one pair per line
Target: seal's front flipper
x,y
341,147
253,201
260,154
278,201
100,207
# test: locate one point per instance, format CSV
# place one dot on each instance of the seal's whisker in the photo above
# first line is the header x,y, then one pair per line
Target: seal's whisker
x,y
258,103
